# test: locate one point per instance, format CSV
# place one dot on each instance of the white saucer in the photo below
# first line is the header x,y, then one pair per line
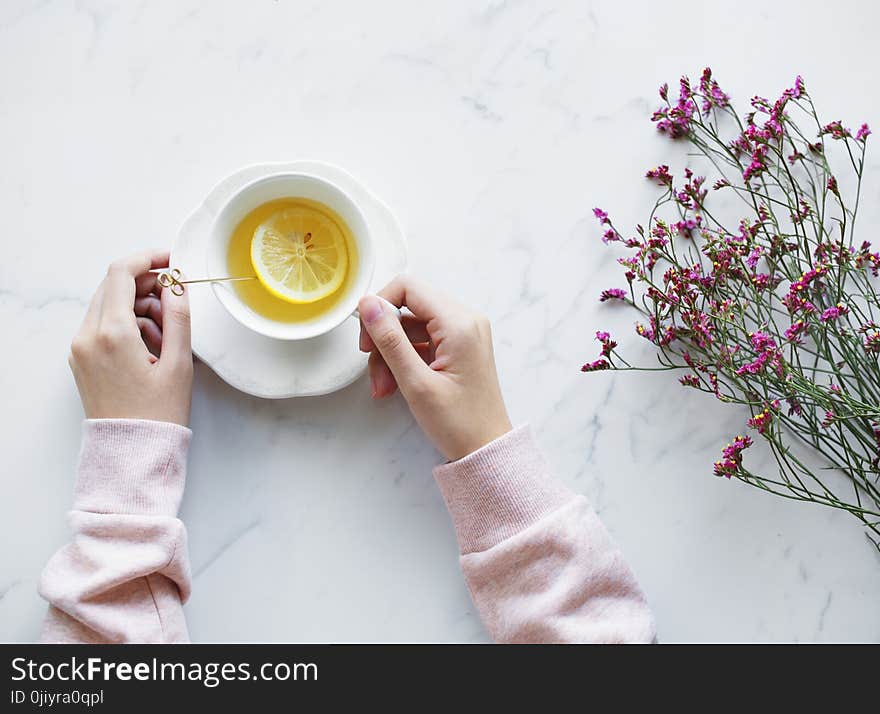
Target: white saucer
x,y
262,366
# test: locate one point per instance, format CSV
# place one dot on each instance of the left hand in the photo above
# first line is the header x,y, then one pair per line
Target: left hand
x,y
131,358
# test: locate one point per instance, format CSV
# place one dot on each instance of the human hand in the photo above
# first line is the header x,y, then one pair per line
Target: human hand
x,y
131,358
441,358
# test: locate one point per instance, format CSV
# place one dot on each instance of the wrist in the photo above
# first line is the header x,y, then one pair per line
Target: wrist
x,y
476,440
499,490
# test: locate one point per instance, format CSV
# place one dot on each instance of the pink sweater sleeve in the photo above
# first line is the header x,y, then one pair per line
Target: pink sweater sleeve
x,y
125,573
538,562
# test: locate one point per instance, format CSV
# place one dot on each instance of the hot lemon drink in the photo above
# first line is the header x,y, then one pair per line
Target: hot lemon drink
x,y
302,253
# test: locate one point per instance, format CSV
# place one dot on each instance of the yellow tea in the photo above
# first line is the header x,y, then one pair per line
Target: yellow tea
x,y
252,292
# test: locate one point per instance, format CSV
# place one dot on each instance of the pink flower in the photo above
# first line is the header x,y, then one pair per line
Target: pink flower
x,y
731,456
796,91
660,174
872,342
686,226
764,281
832,313
795,330
795,303
832,185
664,91
612,294
802,214
601,216
608,344
675,121
829,419
863,133
610,236
689,380
712,94
806,279
646,332
836,129
752,260
768,355
761,420
595,366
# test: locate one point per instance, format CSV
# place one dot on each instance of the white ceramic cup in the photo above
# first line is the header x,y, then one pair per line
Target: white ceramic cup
x,y
289,185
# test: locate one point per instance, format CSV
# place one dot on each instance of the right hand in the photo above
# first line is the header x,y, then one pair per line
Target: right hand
x,y
441,358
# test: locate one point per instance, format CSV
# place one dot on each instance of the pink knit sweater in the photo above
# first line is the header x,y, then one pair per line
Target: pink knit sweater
x,y
539,564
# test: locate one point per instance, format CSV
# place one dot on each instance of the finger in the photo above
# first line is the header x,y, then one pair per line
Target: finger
x,y
93,313
391,341
422,301
146,284
151,335
149,306
365,342
176,344
382,382
415,329
120,285
426,352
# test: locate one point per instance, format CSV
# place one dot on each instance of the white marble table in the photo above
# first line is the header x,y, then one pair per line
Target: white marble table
x,y
491,129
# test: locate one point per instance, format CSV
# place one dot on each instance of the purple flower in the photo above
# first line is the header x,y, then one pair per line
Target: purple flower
x,y
752,260
595,366
610,236
601,216
761,420
795,330
689,380
797,90
832,313
863,133
806,279
676,120
607,343
832,185
731,456
661,175
768,355
712,94
763,281
836,129
686,226
612,294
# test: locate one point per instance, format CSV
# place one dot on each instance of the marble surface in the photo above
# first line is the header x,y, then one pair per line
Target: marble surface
x,y
492,129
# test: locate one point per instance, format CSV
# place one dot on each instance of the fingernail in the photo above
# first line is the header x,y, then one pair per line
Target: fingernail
x,y
370,309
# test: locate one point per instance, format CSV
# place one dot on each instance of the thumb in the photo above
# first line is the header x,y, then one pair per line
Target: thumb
x,y
176,347
384,328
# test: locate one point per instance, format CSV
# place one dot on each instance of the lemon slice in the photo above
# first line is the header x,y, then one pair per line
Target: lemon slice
x,y
299,255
